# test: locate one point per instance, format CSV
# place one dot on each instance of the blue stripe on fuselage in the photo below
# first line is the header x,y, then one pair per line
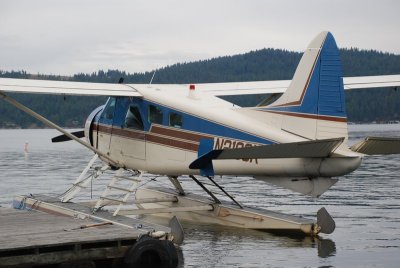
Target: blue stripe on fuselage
x,y
190,122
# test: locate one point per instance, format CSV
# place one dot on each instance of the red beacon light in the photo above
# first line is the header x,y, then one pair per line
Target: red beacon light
x,y
192,91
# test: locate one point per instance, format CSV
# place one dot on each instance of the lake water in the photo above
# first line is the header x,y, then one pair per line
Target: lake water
x,y
364,204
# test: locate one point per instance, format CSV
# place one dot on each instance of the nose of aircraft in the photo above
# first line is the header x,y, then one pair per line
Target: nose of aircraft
x,y
87,132
90,121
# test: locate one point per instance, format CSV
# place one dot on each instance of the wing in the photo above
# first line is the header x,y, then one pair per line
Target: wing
x,y
217,89
371,81
244,88
280,86
67,87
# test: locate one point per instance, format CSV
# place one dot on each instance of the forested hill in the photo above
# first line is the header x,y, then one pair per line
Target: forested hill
x,y
264,64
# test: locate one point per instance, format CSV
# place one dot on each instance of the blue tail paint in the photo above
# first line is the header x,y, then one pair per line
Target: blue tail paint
x,y
323,93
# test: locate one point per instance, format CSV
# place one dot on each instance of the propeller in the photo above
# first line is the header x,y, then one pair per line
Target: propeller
x,y
52,125
63,137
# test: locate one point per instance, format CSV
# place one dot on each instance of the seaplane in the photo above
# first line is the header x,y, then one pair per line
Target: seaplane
x,y
296,138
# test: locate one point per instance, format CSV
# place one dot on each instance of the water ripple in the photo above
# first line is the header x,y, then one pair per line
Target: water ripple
x,y
365,205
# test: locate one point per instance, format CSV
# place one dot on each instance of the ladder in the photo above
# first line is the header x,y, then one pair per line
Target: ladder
x,y
115,186
82,181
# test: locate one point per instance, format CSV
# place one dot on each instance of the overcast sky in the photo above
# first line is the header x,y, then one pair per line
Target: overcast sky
x,y
67,37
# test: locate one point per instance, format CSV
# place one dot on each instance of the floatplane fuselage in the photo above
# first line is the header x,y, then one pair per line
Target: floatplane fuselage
x,y
161,133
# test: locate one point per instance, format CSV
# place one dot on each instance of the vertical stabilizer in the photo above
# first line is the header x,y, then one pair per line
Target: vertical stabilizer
x,y
313,106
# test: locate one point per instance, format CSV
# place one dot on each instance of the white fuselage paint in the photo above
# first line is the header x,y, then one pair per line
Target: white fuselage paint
x,y
154,157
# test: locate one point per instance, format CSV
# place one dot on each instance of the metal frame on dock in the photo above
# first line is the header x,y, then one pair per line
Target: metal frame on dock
x,y
43,231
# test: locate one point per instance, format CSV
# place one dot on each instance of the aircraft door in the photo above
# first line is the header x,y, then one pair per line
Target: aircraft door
x,y
133,129
121,132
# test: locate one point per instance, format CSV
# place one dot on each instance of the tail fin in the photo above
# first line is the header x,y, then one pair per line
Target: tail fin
x,y
313,106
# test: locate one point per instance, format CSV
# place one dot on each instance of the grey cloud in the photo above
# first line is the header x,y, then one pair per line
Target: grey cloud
x,y
73,36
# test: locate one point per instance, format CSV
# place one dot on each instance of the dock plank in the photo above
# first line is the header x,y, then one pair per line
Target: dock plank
x,y
26,229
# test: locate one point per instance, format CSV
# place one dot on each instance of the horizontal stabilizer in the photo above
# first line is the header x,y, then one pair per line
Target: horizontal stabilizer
x,y
378,145
304,149
314,187
377,81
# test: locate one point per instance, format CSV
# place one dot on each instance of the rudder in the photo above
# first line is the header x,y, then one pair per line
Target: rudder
x,y
313,106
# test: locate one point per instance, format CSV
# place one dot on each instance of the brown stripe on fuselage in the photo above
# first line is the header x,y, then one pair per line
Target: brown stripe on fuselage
x,y
102,128
127,133
311,116
137,135
188,146
178,133
191,143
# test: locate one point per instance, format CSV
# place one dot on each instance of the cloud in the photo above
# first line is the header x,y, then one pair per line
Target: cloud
x,y
73,36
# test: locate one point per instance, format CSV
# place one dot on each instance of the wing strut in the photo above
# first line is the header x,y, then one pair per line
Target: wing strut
x,y
52,125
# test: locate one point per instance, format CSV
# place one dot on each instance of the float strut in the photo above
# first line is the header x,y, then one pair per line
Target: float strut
x,y
205,189
225,192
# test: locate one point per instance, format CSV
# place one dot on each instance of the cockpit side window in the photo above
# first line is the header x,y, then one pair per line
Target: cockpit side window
x,y
108,112
133,118
155,114
175,120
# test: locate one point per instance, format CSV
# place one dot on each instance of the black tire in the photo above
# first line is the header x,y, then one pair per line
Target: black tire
x,y
149,252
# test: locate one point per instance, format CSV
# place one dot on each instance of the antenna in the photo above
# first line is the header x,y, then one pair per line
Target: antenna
x,y
151,80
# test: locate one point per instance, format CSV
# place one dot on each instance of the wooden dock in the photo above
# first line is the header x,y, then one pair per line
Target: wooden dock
x,y
45,233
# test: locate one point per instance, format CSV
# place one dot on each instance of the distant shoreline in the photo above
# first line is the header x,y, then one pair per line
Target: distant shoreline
x,y
34,128
391,122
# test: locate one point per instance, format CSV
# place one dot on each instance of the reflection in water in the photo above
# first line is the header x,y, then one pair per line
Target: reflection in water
x,y
217,234
219,246
26,150
365,206
326,248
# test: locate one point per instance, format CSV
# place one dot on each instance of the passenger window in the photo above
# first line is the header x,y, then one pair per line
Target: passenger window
x,y
133,118
175,120
155,114
109,110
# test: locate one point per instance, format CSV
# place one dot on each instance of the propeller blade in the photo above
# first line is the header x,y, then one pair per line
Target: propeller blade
x,y
63,137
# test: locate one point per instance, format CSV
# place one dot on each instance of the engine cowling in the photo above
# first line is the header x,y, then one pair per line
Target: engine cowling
x,y
90,121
